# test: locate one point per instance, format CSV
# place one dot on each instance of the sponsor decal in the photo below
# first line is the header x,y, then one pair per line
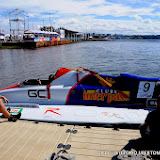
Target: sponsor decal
x,y
53,110
110,80
116,97
37,93
115,115
108,95
92,95
16,110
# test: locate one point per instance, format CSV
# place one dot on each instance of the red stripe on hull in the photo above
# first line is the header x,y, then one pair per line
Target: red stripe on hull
x,y
48,91
75,86
14,86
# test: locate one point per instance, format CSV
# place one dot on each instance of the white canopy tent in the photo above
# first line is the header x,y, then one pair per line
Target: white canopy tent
x,y
40,32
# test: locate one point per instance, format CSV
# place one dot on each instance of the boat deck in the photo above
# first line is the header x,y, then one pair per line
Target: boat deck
x,y
26,140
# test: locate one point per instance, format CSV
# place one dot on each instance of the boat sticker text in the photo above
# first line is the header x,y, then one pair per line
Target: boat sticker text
x,y
115,115
108,95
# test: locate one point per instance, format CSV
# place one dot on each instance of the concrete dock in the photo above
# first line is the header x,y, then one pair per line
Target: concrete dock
x,y
27,140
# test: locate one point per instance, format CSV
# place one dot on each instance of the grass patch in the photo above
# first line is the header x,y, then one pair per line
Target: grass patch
x,y
10,47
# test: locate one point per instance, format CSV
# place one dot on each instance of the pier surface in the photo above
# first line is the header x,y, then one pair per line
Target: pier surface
x,y
27,140
31,44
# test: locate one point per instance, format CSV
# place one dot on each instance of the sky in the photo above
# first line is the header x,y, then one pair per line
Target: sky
x,y
128,17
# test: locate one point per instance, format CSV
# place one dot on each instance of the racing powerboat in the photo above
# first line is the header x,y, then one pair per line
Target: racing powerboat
x,y
85,87
84,96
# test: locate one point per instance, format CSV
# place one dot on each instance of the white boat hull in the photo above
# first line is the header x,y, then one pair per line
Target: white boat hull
x,y
76,114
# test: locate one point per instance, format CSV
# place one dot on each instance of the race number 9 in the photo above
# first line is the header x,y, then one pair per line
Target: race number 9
x,y
145,89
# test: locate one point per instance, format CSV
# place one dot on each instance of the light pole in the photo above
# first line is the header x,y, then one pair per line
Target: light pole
x,y
43,22
85,32
28,22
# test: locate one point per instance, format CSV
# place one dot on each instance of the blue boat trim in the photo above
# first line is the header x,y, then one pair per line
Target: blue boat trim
x,y
139,77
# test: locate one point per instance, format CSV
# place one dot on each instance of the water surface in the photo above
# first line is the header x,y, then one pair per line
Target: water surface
x,y
140,57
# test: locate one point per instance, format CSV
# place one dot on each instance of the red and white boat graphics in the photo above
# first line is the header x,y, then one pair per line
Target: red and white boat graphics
x,y
55,92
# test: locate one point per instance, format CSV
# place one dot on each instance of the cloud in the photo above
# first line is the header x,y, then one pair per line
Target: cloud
x,y
143,21
98,7
155,5
148,21
4,23
90,24
32,14
90,15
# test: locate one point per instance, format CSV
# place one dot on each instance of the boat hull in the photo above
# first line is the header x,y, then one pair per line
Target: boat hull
x,y
73,114
81,87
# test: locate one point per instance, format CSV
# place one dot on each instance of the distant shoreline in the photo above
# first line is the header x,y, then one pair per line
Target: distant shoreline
x,y
34,45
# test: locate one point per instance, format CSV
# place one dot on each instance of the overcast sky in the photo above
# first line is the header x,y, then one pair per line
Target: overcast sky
x,y
100,16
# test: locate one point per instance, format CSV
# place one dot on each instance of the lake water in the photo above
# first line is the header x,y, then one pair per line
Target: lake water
x,y
140,57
